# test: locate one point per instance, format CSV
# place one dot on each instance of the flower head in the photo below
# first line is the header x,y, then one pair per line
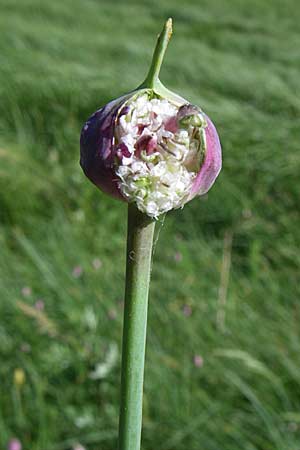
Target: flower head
x,y
151,147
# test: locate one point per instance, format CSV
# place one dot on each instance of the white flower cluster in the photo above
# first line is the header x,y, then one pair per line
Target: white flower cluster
x,y
154,155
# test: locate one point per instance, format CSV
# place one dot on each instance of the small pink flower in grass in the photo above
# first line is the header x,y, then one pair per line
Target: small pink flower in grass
x,y
198,361
97,263
77,272
39,305
14,444
26,291
178,257
187,310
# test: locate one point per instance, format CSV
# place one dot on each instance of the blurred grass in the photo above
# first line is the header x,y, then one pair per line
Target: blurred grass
x,y
232,257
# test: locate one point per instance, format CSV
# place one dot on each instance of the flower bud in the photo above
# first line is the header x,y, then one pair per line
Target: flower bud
x,y
151,146
19,377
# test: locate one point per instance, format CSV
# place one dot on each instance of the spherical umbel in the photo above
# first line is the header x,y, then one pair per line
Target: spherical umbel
x,y
151,147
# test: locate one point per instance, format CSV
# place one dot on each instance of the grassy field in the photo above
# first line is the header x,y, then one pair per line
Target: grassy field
x,y
223,352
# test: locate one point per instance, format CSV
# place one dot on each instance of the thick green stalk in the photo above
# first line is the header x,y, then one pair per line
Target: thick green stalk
x,y
139,253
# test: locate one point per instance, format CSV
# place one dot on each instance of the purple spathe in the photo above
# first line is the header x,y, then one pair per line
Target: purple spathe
x,y
212,163
96,148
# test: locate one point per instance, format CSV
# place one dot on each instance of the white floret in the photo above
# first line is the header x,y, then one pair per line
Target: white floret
x,y
159,181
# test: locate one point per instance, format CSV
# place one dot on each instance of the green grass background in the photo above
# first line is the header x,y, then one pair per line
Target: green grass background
x,y
232,257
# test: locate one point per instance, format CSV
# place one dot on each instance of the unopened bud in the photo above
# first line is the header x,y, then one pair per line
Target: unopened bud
x,y
19,377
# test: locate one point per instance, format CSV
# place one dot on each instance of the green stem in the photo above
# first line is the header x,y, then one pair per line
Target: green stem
x,y
162,42
139,253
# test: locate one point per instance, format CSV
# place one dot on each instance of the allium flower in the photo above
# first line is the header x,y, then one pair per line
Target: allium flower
x,y
151,147
156,151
